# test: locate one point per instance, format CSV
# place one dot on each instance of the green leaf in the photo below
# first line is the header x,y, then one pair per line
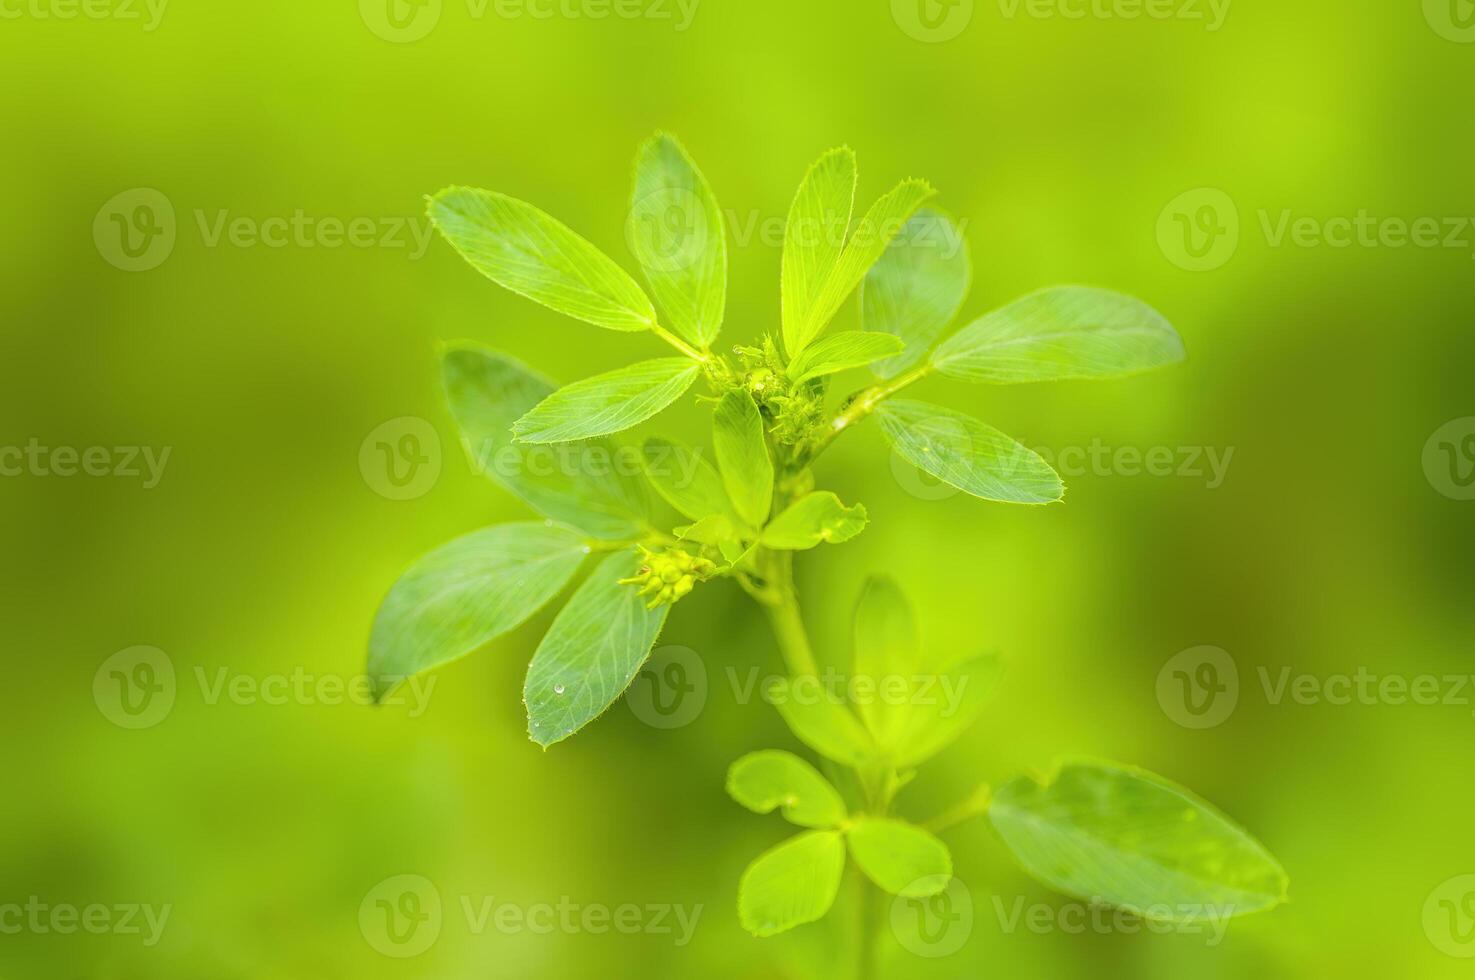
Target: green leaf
x,y
917,287
1061,333
519,247
684,478
866,245
842,351
791,884
813,518
901,858
822,722
592,652
582,484
886,647
963,452
607,403
814,238
714,530
941,706
742,455
1105,832
466,593
762,781
680,239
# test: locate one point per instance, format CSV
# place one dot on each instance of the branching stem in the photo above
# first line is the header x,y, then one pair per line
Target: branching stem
x,y
863,404
700,356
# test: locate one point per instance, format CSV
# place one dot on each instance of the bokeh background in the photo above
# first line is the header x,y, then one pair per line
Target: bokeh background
x,y
1339,537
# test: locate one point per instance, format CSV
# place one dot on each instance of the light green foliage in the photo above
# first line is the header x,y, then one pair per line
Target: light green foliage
x,y
607,403
742,455
591,653
763,781
901,858
678,234
519,247
964,453
1137,841
578,485
791,884
923,699
1061,333
865,245
822,722
821,266
684,478
814,518
917,287
842,351
467,592
942,704
1095,830
814,238
886,646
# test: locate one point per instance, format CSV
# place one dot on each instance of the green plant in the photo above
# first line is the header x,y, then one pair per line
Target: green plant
x,y
1095,830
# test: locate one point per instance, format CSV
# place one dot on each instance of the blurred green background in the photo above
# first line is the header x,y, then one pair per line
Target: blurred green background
x,y
1337,538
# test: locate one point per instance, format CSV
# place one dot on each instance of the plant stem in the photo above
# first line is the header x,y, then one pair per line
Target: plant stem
x,y
868,926
975,805
701,357
788,625
863,404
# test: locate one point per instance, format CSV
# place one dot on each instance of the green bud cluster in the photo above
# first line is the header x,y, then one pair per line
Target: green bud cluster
x,y
666,576
793,410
